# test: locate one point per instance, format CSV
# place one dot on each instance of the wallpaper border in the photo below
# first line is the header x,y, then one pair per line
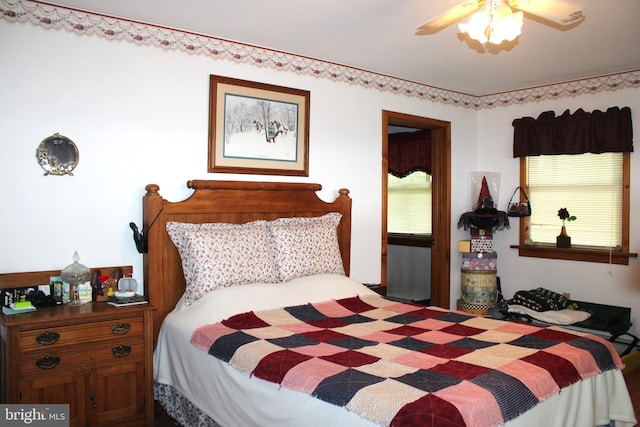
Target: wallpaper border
x,y
87,23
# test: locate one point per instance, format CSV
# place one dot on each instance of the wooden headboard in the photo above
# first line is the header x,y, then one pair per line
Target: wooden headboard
x,y
234,202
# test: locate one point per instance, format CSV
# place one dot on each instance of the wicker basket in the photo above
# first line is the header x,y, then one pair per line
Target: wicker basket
x,y
480,309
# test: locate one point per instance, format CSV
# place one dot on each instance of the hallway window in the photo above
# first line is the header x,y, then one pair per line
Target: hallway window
x,y
409,204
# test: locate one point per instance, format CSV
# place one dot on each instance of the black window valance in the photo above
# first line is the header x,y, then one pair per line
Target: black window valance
x,y
409,152
581,132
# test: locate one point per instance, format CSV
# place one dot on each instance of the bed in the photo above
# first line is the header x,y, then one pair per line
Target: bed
x,y
204,376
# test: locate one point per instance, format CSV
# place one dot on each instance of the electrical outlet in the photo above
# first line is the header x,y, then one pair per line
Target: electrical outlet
x,y
567,295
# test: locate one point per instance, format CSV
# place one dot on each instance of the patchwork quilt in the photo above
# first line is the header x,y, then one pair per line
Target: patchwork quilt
x,y
403,364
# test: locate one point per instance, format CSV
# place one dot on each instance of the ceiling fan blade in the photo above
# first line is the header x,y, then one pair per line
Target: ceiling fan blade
x,y
454,14
562,12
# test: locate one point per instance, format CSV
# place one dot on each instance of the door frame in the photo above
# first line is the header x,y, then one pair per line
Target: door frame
x,y
440,199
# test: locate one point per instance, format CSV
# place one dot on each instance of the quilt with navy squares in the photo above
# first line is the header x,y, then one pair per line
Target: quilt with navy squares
x,y
403,364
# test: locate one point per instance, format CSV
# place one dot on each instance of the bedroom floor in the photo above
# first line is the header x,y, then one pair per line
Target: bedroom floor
x,y
164,421
161,417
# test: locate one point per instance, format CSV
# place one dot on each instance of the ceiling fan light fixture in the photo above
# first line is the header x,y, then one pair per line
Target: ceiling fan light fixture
x,y
493,25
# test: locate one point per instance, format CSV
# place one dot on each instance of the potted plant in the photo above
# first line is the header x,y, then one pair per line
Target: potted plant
x,y
564,240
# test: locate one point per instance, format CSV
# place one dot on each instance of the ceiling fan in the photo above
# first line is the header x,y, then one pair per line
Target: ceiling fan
x,y
498,15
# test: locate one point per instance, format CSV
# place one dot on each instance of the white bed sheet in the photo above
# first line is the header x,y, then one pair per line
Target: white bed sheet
x,y
232,398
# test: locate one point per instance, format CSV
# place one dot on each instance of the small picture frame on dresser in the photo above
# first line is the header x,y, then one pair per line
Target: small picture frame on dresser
x,y
59,289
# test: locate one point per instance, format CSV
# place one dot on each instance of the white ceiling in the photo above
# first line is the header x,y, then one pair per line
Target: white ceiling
x,y
378,36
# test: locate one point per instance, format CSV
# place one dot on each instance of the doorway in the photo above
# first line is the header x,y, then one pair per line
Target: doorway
x,y
441,199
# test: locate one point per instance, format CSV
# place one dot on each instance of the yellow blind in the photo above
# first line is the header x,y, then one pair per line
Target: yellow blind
x,y
409,204
589,186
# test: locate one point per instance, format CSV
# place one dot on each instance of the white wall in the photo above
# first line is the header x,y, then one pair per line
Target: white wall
x,y
139,115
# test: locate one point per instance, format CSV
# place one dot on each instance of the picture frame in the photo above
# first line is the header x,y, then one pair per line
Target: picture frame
x,y
257,128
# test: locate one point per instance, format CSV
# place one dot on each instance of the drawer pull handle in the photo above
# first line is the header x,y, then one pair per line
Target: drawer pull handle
x,y
120,328
47,338
48,362
121,350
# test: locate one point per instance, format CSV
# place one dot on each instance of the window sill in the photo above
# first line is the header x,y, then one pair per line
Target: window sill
x,y
575,254
406,239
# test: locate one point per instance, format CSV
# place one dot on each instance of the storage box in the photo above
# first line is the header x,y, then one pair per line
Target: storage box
x,y
464,246
479,287
480,261
479,309
482,244
475,232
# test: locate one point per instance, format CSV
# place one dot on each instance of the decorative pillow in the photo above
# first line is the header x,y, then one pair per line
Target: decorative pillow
x,y
218,255
306,246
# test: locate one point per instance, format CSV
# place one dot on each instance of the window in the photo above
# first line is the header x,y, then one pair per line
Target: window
x,y
594,188
589,186
569,161
409,204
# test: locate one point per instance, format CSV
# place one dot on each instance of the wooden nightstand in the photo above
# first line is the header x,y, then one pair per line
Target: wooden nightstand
x,y
96,357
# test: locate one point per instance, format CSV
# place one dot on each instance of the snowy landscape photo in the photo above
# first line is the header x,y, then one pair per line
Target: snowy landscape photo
x,y
260,129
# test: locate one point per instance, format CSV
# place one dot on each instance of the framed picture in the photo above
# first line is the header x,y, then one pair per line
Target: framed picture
x,y
257,128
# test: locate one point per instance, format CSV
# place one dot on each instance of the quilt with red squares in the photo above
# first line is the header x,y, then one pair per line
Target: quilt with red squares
x,y
403,364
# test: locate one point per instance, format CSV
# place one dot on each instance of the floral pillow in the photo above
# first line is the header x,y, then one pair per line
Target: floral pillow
x,y
218,255
177,230
306,246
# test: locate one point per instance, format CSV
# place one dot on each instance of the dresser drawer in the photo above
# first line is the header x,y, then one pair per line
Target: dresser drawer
x,y
55,337
48,361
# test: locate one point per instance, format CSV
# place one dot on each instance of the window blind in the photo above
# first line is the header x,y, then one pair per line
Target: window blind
x,y
409,204
589,186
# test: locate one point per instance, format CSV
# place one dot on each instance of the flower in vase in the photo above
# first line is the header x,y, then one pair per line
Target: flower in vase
x,y
565,216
